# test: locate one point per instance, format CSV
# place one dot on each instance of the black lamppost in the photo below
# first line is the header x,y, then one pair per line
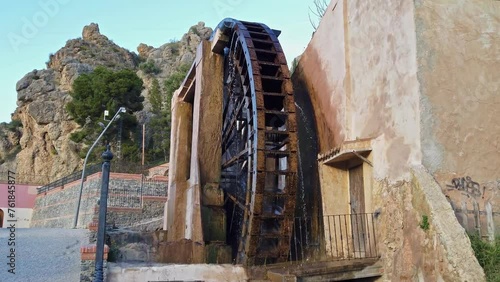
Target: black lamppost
x,y
103,205
120,110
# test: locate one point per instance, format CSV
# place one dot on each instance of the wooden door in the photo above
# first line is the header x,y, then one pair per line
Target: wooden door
x,y
357,203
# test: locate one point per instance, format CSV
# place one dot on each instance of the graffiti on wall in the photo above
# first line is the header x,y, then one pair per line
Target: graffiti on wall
x,y
476,204
467,185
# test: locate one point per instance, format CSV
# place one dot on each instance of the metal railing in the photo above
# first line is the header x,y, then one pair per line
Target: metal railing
x,y
118,167
91,169
334,237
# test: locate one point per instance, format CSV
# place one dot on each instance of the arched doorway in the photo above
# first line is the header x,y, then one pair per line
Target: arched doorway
x,y
1,218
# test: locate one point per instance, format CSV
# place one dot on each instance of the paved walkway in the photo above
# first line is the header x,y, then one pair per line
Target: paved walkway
x,y
42,254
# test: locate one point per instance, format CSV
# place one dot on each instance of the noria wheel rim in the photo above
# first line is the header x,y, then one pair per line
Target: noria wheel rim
x,y
259,144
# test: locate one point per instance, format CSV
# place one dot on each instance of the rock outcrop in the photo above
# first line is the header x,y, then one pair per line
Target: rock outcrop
x,y
10,135
36,144
168,57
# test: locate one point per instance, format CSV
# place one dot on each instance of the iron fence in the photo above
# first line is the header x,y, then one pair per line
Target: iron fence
x,y
91,169
117,167
334,237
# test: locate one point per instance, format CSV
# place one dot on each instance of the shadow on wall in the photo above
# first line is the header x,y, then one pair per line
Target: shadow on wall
x,y
309,200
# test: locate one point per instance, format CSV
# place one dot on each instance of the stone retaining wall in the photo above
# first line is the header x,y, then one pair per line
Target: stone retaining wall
x,y
57,207
152,208
130,200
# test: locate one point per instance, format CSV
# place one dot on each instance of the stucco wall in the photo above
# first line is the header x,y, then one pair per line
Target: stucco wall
x,y
25,195
322,66
459,64
383,93
22,217
366,82
24,202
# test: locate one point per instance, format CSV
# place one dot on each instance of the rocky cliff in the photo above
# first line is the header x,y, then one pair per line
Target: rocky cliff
x,y
36,143
171,55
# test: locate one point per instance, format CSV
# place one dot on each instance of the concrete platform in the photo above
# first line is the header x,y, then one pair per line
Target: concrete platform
x,y
340,270
309,271
175,272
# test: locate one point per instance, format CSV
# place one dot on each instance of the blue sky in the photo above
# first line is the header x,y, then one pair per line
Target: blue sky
x,y
32,29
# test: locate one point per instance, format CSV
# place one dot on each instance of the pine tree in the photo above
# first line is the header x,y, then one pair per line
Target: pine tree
x,y
101,90
160,123
155,97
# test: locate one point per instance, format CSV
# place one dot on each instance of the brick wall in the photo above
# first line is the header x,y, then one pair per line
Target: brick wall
x,y
88,258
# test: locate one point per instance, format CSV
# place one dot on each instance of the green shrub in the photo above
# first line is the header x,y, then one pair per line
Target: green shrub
x,y
14,125
194,30
114,250
424,224
13,153
130,151
78,136
488,256
53,150
82,154
174,81
175,46
141,59
149,67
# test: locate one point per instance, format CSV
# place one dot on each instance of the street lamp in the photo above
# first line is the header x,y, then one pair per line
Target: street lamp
x,y
120,110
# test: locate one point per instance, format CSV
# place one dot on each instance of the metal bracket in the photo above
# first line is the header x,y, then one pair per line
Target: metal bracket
x,y
362,158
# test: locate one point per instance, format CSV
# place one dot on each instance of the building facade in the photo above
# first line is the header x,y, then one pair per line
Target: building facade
x,y
404,96
23,204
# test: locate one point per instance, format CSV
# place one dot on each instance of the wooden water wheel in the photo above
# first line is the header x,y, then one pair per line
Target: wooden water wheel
x,y
259,144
